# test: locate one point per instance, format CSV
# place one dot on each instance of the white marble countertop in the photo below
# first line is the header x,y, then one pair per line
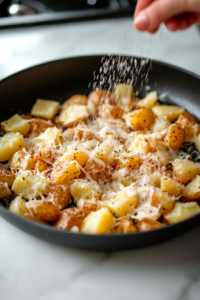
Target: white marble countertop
x,y
35,270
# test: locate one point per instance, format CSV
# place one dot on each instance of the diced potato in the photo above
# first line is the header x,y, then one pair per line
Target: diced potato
x,y
11,143
38,126
161,199
139,146
98,222
43,210
7,176
189,123
34,218
46,154
124,93
122,203
86,190
97,98
46,109
130,162
42,166
175,136
148,166
150,100
18,207
64,172
191,192
60,196
182,211
80,156
69,218
105,152
22,160
161,123
49,138
185,170
75,100
99,171
125,225
197,142
171,112
4,190
171,186
130,107
84,135
29,185
16,124
148,224
111,111
88,207
163,157
140,119
73,114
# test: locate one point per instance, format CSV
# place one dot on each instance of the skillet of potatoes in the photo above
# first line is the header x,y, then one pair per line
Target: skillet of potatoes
x,y
103,164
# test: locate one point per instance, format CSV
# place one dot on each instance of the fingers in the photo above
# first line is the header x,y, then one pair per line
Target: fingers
x,y
181,22
142,4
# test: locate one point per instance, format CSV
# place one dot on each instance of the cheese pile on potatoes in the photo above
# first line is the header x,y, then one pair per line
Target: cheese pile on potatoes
x,y
106,163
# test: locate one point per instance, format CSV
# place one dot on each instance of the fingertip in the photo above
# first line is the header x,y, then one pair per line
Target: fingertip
x,y
141,22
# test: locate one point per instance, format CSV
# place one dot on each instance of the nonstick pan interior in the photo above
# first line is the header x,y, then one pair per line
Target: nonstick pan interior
x,y
59,80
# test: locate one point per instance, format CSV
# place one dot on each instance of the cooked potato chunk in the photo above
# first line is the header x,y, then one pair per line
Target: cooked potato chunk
x,y
38,126
4,190
76,100
148,224
7,176
175,136
69,218
86,190
140,119
171,186
34,218
11,143
43,210
189,123
42,166
191,192
46,154
64,172
22,160
197,142
99,171
125,225
185,170
98,222
60,196
46,109
161,123
139,146
111,111
97,98
124,93
16,124
73,114
149,101
88,207
18,207
80,156
171,112
29,185
122,203
182,211
84,135
105,152
49,138
159,198
130,162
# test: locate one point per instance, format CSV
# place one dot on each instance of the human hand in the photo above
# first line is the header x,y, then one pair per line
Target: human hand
x,y
176,14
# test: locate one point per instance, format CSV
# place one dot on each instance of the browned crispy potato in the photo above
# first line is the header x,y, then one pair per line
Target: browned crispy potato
x,y
22,160
38,126
4,190
43,210
88,207
125,225
162,199
142,119
130,162
188,121
175,136
131,106
7,176
99,172
76,99
97,98
185,170
34,218
148,166
147,224
70,217
191,192
64,172
42,166
46,154
111,111
60,196
84,135
171,186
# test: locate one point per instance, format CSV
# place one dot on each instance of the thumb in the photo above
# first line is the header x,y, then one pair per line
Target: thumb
x,y
158,12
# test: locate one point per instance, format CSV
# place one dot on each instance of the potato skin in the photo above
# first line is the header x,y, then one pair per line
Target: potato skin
x,y
175,136
59,196
99,172
126,225
147,224
18,159
64,172
70,217
7,176
38,126
142,119
43,210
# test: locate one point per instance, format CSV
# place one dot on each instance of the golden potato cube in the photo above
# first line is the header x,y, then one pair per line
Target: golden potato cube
x,y
98,222
16,124
83,189
11,143
175,136
87,207
163,157
42,166
161,199
171,186
182,211
60,196
105,152
4,190
161,123
122,203
64,172
148,224
189,123
125,225
97,98
197,142
75,100
149,100
22,160
185,170
46,109
124,93
99,172
29,185
191,192
80,156
140,119
7,176
49,138
18,207
73,114
171,112
139,146
111,111
38,126
69,218
43,210
130,162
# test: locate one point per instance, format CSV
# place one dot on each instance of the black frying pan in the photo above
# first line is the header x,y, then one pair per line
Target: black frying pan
x,y
57,81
